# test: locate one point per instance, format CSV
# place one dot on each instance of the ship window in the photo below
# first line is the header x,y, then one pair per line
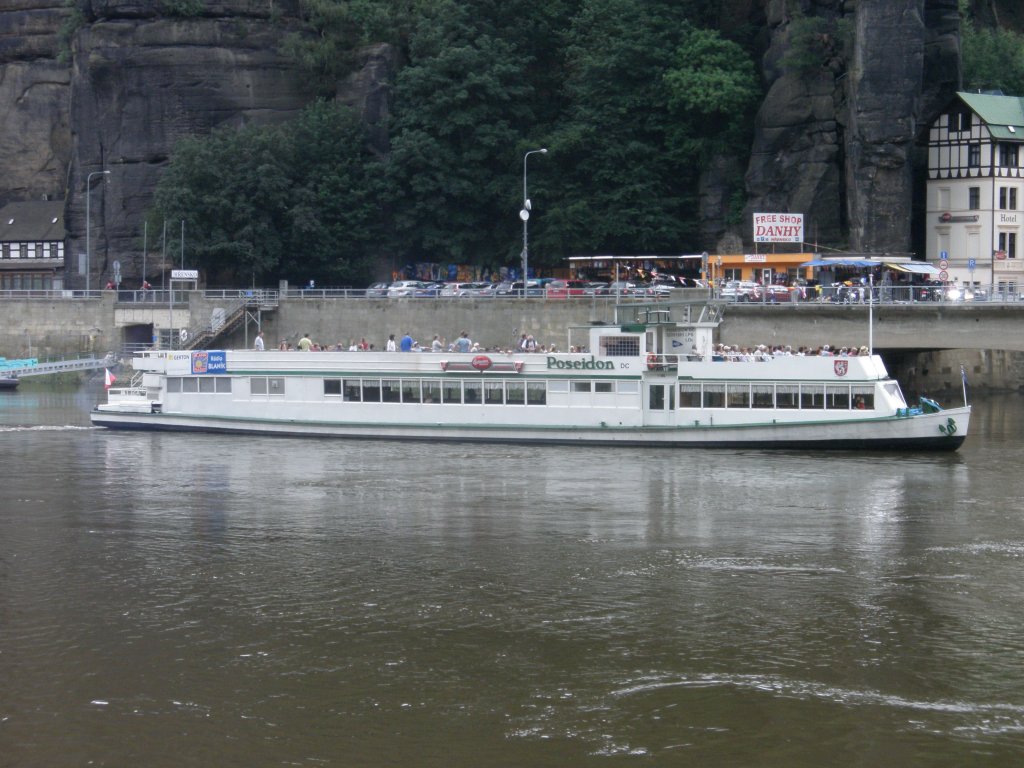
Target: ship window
x,y
536,393
620,346
689,395
471,392
714,395
332,386
371,390
189,384
763,395
628,387
353,392
739,395
581,386
494,393
812,396
837,397
558,386
604,386
224,384
452,391
275,386
207,385
173,385
657,397
864,398
787,396
258,385
431,392
515,393
411,391
390,390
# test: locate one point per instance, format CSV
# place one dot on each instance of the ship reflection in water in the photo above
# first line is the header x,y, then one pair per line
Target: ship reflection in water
x,y
176,599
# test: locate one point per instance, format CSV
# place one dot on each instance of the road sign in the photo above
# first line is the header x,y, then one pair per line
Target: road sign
x,y
972,264
943,254
943,275
943,264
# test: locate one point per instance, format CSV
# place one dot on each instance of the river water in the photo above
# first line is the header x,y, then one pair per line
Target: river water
x,y
196,600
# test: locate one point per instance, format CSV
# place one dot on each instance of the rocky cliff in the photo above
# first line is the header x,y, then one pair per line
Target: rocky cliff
x,y
834,138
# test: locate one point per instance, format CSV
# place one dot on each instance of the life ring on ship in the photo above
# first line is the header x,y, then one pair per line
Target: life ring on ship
x,y
652,362
183,334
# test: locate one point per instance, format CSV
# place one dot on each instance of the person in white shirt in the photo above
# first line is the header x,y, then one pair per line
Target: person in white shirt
x,y
259,341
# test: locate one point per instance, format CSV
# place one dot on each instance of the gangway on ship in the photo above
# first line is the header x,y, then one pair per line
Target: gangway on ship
x,y
61,366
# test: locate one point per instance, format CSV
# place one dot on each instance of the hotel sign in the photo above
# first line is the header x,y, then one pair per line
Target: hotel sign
x,y
778,227
948,217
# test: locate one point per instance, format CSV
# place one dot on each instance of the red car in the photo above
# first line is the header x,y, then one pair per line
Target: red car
x,y
563,289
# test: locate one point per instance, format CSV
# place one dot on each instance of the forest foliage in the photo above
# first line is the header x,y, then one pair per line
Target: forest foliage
x,y
632,98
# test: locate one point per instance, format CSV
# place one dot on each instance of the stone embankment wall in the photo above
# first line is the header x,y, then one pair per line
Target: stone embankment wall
x,y
923,346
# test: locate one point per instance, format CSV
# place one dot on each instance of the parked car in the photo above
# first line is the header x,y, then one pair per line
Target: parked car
x,y
377,291
455,289
428,290
623,288
480,289
596,288
405,288
740,290
563,289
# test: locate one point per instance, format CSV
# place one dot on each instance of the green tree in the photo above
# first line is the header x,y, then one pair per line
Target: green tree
x,y
298,201
992,59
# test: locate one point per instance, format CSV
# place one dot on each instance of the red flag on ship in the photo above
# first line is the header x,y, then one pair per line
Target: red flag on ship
x,y
108,378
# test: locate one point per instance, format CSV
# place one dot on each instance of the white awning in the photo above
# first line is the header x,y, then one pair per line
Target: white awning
x,y
917,267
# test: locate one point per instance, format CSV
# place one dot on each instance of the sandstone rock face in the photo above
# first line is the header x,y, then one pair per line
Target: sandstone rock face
x,y
837,144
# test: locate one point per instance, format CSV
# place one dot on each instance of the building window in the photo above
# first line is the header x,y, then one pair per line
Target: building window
x,y
973,155
1008,244
974,198
1008,155
1008,198
15,250
960,121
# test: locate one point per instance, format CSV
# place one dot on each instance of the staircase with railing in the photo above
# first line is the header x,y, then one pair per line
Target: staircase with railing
x,y
202,336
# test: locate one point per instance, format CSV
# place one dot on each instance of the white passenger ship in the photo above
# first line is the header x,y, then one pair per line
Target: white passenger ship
x,y
650,380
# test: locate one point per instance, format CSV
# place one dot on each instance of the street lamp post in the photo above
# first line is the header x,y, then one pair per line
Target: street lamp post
x,y
88,221
524,214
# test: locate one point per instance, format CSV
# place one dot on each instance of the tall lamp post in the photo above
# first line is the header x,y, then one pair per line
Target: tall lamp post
x,y
88,221
525,214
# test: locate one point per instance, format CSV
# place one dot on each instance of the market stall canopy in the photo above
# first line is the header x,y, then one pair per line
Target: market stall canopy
x,y
916,267
840,263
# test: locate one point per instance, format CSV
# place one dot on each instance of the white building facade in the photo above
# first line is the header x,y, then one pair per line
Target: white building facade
x,y
975,208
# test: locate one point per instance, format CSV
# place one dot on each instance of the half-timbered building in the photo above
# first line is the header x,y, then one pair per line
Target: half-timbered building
x,y
976,191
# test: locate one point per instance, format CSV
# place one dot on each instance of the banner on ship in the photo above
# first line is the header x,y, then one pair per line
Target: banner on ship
x,y
778,228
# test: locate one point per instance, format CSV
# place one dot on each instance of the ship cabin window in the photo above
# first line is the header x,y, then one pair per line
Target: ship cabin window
x,y
837,397
515,393
762,395
471,392
391,391
207,384
714,395
864,398
411,391
738,395
604,386
620,346
581,386
558,387
628,387
536,393
173,386
431,392
266,385
371,390
352,390
332,387
787,395
812,396
223,385
452,392
494,393
190,384
689,395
